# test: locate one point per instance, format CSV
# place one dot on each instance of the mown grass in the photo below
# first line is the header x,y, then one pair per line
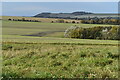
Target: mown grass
x,y
59,61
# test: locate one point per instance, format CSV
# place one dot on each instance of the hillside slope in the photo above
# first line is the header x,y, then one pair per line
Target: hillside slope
x,y
74,15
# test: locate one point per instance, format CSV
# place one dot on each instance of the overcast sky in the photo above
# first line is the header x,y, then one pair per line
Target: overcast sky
x,y
33,8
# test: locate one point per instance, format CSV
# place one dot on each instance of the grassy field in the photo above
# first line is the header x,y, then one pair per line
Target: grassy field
x,y
29,28
27,55
59,61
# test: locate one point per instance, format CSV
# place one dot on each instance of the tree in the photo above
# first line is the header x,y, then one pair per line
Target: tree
x,y
52,21
9,19
73,21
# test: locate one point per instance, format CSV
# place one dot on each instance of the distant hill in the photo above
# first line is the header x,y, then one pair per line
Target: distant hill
x,y
76,15
62,15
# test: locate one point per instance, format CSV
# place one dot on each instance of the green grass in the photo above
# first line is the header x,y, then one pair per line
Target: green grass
x,y
13,31
26,28
59,61
27,39
53,56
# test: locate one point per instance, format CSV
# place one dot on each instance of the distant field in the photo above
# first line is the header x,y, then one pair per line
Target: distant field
x,y
15,31
34,28
27,55
48,20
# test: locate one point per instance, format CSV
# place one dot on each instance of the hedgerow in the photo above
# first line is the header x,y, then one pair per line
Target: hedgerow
x,y
106,33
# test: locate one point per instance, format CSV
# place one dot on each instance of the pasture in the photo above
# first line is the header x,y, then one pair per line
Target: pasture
x,y
34,28
59,61
39,50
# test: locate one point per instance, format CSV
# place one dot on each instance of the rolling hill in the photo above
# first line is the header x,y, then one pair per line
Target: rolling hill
x,y
74,15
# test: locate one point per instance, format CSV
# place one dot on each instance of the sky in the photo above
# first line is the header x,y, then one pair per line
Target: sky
x,y
33,8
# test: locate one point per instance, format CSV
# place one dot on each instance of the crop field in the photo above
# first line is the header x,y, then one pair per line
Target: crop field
x,y
48,20
39,50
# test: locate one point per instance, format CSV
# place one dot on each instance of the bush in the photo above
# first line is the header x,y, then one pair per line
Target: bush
x,y
101,21
9,19
72,32
106,33
66,22
73,21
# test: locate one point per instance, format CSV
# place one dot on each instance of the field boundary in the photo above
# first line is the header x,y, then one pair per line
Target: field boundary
x,y
61,43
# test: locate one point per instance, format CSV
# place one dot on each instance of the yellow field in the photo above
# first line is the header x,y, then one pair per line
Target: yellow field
x,y
39,19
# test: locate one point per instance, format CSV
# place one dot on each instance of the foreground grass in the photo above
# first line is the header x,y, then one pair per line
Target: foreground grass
x,y
59,61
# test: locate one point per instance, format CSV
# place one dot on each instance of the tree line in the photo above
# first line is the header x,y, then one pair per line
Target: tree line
x,y
23,19
102,21
63,21
84,21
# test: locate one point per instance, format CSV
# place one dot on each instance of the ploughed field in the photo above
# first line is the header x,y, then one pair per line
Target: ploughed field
x,y
39,50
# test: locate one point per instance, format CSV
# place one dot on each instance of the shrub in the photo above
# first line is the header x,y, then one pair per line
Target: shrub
x,y
101,21
9,19
106,33
72,32
73,21
66,22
